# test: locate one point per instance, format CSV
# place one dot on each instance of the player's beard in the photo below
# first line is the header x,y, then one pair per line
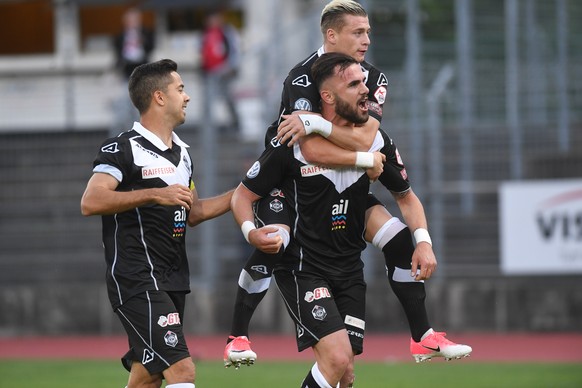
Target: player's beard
x,y
350,113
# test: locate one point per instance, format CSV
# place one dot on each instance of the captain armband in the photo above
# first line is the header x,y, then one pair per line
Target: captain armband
x,y
316,124
422,235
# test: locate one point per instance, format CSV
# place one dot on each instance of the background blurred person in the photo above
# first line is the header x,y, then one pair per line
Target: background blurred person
x,y
220,59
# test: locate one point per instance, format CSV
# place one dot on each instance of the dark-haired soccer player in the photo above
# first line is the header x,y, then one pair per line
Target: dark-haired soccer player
x,y
345,29
142,187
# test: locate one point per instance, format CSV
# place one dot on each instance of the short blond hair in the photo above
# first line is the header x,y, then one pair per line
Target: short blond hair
x,y
333,13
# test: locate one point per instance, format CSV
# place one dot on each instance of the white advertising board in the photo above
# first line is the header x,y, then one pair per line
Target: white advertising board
x,y
541,227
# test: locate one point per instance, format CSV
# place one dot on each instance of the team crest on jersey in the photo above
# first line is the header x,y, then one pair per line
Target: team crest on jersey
x,y
380,94
254,170
339,215
302,80
302,104
276,205
110,148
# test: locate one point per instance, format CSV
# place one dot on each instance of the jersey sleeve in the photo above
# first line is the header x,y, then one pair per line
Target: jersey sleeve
x,y
394,177
377,83
300,92
112,158
269,170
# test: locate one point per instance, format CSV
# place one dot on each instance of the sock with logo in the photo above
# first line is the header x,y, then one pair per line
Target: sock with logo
x,y
398,250
253,284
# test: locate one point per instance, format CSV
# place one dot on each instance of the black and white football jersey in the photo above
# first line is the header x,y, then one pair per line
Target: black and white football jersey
x,y
145,247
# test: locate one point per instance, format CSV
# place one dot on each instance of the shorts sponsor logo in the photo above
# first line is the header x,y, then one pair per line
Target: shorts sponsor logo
x,y
276,205
356,334
171,339
318,293
148,356
319,312
260,269
169,320
356,322
110,148
277,193
254,170
302,80
302,104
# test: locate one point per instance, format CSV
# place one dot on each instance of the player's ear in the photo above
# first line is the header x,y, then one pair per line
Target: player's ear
x,y
159,97
331,36
327,96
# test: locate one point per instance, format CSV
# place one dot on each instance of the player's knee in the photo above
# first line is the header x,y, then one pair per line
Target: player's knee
x,y
182,371
339,362
387,232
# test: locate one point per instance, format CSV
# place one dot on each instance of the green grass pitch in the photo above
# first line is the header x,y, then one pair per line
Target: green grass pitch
x,y
110,374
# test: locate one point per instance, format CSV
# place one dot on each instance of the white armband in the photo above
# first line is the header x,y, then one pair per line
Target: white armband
x,y
364,159
246,228
316,124
421,235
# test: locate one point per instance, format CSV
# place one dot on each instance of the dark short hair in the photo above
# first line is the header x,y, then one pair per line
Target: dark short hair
x,y
325,66
148,78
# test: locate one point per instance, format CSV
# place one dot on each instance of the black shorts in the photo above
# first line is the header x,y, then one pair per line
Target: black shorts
x,y
320,306
272,209
371,200
153,323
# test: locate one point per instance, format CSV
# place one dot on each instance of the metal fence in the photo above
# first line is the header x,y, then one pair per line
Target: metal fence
x,y
480,92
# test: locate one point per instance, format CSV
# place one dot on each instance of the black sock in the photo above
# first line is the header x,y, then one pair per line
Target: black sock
x,y
244,308
398,253
309,381
259,266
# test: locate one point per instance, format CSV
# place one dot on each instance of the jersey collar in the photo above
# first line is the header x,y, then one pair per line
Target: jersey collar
x,y
320,52
152,138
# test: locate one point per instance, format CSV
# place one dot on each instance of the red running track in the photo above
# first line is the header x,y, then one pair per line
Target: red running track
x,y
519,347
